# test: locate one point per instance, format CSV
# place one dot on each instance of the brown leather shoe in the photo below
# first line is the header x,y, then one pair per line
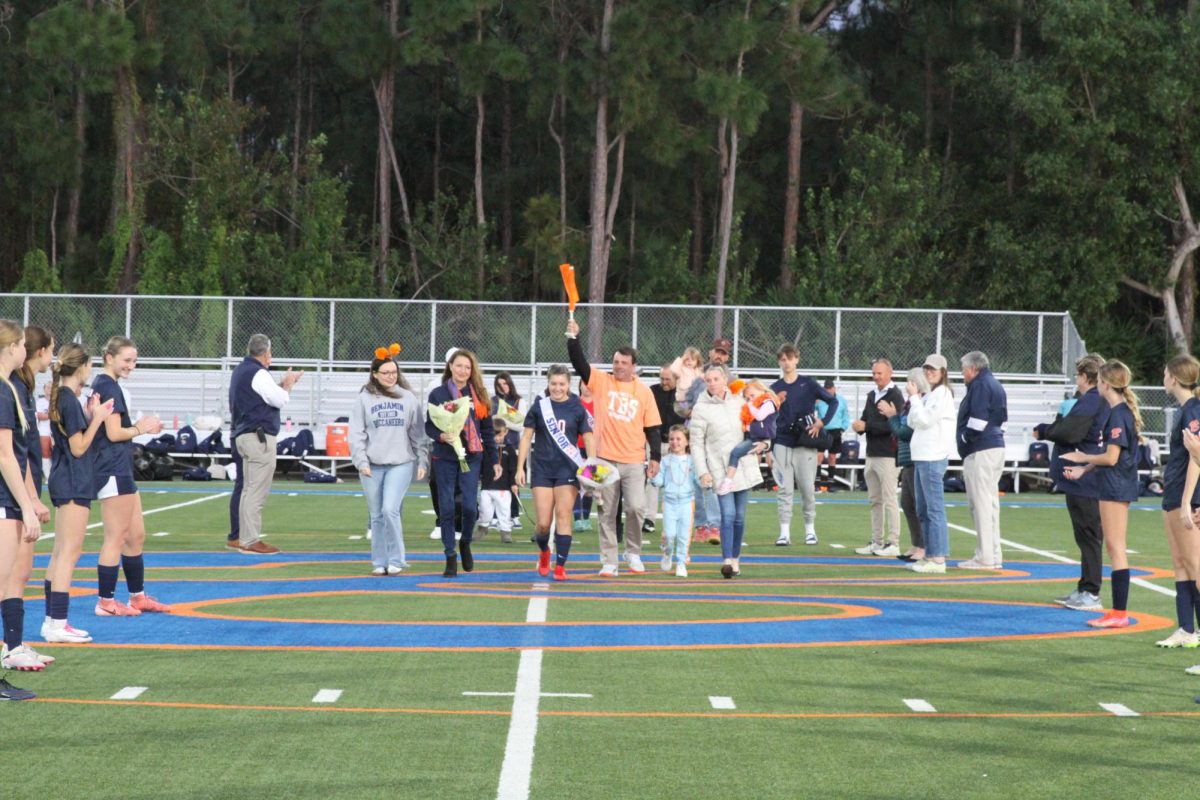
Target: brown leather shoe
x,y
261,548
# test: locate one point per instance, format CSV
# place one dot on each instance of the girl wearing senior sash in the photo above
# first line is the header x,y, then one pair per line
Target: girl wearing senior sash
x,y
553,424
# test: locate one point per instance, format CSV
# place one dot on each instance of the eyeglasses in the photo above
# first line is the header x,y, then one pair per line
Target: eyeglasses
x,y
390,372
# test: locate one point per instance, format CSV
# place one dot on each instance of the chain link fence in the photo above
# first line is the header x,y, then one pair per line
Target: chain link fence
x,y
341,333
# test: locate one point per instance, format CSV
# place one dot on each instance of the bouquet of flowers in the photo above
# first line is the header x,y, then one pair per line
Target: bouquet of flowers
x,y
595,475
451,417
509,413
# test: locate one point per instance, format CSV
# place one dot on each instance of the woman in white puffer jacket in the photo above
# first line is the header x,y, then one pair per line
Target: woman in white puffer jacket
x,y
716,426
933,420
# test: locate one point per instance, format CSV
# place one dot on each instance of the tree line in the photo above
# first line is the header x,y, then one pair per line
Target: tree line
x,y
1025,154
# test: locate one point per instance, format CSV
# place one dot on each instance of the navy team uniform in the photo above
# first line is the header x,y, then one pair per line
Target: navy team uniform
x,y
33,437
72,480
550,465
9,418
114,460
1187,598
12,610
1119,483
113,472
1175,473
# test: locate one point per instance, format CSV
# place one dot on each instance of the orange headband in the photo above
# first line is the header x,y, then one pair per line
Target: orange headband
x,y
390,351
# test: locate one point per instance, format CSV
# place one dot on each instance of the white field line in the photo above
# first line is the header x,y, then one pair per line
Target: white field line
x,y
517,768
171,508
327,696
1145,584
1118,710
129,693
924,706
722,703
514,694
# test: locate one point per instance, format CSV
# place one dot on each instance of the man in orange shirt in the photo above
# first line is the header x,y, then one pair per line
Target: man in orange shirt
x,y
627,421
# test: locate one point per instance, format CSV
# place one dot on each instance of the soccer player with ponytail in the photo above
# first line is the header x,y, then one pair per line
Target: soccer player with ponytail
x,y
39,352
1181,379
120,502
72,482
1117,481
19,520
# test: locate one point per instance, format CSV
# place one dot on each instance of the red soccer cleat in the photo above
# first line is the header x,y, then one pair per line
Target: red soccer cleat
x,y
560,572
144,602
544,563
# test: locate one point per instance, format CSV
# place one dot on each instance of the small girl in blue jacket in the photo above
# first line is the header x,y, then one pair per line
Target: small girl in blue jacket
x,y
677,479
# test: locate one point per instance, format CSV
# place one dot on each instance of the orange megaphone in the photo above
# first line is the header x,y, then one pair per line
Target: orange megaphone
x,y
568,279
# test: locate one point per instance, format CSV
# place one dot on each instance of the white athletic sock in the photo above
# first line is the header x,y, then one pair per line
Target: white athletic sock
x,y
810,528
785,531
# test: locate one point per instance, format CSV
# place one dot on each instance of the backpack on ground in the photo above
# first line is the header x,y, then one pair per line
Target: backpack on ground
x,y
197,474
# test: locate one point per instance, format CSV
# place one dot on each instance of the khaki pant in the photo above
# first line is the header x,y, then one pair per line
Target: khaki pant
x,y
632,487
981,474
882,477
258,469
650,507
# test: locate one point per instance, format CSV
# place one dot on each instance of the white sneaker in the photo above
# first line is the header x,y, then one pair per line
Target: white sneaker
x,y
810,537
1193,670
891,551
608,571
869,550
436,534
666,563
379,572
971,563
394,570
926,567
66,633
22,659
634,563
680,571
1180,638
783,541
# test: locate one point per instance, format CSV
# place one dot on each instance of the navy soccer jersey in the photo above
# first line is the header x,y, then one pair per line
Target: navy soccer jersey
x,y
1175,473
1120,481
33,438
71,478
547,460
112,458
11,419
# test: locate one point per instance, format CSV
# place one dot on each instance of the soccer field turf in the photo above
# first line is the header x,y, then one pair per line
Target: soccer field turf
x,y
817,673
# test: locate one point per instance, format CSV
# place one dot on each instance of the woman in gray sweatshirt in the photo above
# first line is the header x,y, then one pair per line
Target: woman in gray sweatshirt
x,y
387,445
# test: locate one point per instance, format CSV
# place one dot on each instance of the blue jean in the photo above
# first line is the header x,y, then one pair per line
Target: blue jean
x,y
708,513
448,478
385,490
931,506
743,448
733,522
677,527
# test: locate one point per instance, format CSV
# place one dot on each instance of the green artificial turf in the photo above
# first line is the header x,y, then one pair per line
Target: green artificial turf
x,y
1014,718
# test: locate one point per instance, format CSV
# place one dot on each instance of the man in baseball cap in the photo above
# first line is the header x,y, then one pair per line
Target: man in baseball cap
x,y
721,351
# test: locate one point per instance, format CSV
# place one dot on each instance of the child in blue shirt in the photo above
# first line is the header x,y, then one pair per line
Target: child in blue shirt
x,y
676,477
